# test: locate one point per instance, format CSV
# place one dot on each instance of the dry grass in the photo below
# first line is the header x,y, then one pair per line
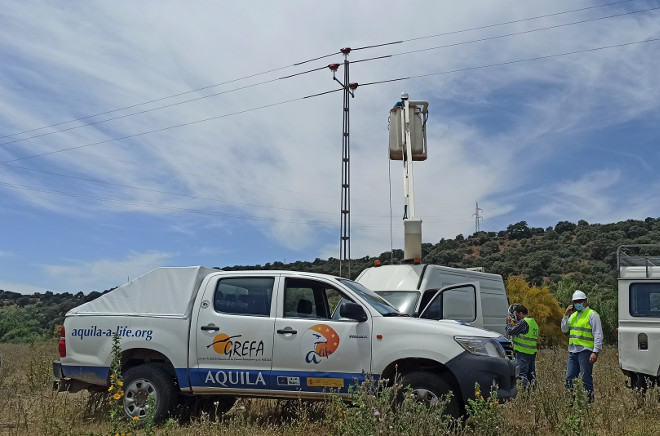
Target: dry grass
x,y
28,406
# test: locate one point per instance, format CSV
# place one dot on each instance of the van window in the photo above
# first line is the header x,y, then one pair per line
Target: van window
x,y
428,295
645,299
457,303
244,295
405,301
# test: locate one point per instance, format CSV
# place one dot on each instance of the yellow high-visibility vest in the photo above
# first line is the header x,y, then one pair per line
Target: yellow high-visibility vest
x,y
527,343
580,330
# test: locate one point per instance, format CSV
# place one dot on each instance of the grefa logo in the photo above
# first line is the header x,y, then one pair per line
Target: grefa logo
x,y
224,378
228,345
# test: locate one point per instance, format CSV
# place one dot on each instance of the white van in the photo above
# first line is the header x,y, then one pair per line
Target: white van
x,y
441,292
639,313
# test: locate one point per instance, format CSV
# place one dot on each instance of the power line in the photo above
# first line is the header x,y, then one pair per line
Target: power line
x,y
171,96
517,21
159,107
324,67
154,131
499,64
278,69
523,32
332,91
487,26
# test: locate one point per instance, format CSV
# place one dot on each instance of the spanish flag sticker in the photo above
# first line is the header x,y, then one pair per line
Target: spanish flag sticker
x,y
325,382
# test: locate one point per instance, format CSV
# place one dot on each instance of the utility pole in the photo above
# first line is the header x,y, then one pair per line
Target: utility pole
x,y
477,218
345,209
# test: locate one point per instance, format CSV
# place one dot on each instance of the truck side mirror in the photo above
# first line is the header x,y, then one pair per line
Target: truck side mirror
x,y
352,311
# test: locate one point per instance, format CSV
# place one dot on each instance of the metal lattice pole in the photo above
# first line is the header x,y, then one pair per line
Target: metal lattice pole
x,y
345,240
345,209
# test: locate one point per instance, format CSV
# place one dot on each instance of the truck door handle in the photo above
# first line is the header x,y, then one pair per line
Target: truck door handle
x,y
210,327
287,330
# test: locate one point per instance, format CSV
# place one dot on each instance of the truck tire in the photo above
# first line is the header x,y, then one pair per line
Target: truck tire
x,y
142,381
429,388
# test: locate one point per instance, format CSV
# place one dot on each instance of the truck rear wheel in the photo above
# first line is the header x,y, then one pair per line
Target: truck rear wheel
x,y
143,381
431,389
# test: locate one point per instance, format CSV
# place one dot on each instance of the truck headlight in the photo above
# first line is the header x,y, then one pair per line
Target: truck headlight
x,y
480,346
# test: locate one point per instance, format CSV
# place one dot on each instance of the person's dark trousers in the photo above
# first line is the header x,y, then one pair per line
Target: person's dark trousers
x,y
578,364
526,367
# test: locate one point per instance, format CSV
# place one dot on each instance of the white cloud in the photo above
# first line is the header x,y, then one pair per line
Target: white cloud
x,y
21,288
590,197
501,136
103,274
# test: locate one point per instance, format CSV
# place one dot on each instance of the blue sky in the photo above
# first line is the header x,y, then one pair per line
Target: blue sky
x,y
217,171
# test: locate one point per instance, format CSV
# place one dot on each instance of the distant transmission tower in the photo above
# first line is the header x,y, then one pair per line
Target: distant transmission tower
x,y
477,218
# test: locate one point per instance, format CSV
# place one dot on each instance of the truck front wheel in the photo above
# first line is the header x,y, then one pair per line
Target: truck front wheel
x,y
431,389
143,381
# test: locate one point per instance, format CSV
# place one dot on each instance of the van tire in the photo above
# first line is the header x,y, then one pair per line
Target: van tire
x,y
143,381
430,389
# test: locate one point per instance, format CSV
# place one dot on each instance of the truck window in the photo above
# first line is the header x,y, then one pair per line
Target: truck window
x,y
374,300
645,299
304,298
244,295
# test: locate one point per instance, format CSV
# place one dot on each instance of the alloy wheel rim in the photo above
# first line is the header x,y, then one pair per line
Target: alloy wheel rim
x,y
426,396
136,397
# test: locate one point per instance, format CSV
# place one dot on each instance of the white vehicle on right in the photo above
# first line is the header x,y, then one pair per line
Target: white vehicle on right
x,y
638,268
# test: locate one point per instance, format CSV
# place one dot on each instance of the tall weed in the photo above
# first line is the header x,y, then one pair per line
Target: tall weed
x,y
28,406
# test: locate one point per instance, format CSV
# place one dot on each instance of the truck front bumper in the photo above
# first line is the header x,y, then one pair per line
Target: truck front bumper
x,y
492,373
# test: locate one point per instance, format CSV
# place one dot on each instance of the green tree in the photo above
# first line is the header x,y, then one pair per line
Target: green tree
x,y
542,306
519,230
565,226
489,248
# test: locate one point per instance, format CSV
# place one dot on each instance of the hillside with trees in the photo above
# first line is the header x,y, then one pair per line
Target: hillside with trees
x,y
547,264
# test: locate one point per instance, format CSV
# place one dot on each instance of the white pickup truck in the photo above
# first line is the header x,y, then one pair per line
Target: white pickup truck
x,y
203,332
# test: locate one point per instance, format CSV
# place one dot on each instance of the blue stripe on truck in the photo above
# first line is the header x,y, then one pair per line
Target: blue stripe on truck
x,y
309,381
233,378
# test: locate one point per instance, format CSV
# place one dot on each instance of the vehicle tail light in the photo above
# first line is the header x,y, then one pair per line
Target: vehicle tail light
x,y
61,347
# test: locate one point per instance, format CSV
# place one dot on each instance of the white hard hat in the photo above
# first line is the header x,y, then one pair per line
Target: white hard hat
x,y
579,295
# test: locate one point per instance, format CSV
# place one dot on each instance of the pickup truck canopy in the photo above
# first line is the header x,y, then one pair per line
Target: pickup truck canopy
x,y
163,292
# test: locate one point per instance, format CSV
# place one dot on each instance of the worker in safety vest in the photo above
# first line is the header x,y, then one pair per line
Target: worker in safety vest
x,y
525,335
585,341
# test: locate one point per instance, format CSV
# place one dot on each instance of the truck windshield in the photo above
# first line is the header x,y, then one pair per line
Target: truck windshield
x,y
405,301
374,300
